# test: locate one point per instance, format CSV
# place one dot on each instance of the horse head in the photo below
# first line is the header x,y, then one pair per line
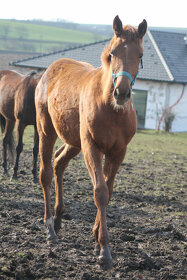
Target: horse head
x,y
125,54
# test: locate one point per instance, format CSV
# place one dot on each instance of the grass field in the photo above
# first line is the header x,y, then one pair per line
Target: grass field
x,y
20,36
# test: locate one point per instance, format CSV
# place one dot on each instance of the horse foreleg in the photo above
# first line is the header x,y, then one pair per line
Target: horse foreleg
x,y
62,158
35,155
19,148
110,169
93,159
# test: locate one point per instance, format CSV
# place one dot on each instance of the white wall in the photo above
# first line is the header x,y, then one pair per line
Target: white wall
x,y
180,122
161,95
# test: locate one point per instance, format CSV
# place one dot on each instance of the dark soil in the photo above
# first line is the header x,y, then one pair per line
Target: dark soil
x,y
146,221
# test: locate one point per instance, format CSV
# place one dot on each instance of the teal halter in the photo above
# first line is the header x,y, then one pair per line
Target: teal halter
x,y
124,73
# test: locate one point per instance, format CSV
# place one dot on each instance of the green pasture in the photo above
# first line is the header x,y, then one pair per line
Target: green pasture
x,y
160,146
17,34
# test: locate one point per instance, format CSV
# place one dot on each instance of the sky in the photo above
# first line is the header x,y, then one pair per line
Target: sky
x,y
161,13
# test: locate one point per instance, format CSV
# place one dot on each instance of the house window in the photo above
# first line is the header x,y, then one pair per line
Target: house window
x,y
140,101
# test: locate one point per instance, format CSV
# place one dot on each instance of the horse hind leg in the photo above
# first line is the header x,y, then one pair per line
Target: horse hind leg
x,y
35,155
46,144
19,148
62,158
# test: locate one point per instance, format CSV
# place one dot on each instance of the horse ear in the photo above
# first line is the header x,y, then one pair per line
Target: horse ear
x,y
142,28
117,26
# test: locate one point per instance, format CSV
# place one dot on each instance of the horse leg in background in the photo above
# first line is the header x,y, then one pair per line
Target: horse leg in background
x,y
111,166
46,144
35,155
20,129
61,160
7,140
93,159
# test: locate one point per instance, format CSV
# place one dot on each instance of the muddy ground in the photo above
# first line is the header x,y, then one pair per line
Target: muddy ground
x,y
146,219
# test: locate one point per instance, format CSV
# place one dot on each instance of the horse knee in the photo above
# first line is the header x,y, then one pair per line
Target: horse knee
x,y
45,176
101,195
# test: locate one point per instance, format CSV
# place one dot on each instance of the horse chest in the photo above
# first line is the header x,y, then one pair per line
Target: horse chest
x,y
110,131
108,136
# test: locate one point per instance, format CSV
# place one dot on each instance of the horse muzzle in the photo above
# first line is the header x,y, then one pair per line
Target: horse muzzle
x,y
122,97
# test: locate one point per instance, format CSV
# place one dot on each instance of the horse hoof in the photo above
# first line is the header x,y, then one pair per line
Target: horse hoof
x,y
52,241
52,238
105,258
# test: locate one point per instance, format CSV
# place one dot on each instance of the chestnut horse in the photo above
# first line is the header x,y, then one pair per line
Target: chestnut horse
x,y
17,105
90,110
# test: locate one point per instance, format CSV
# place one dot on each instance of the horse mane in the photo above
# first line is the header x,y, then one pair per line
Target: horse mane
x,y
130,33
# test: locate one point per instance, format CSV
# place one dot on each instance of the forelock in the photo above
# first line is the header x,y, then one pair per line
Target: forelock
x,y
130,33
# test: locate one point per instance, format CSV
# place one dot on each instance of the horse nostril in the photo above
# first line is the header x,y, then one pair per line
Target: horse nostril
x,y
129,94
116,93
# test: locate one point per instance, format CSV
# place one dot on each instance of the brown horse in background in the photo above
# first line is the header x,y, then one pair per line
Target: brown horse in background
x,y
17,93
90,110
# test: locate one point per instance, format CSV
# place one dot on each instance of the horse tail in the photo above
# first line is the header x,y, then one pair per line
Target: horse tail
x,y
11,142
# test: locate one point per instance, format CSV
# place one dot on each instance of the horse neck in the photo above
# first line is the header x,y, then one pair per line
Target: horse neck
x,y
107,84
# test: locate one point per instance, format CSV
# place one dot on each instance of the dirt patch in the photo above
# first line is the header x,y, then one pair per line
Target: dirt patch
x,y
146,219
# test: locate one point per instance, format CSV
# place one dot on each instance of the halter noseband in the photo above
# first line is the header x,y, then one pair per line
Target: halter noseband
x,y
124,73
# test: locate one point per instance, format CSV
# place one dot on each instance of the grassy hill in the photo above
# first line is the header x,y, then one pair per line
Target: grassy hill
x,y
32,37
